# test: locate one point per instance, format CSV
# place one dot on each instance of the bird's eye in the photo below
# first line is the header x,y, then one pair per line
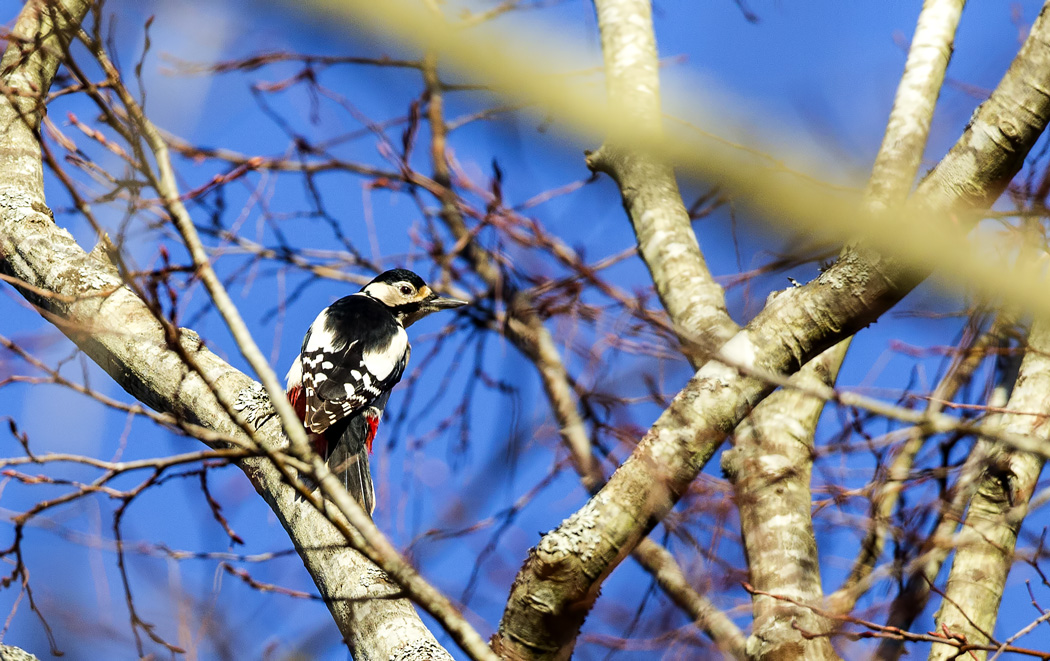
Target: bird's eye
x,y
406,289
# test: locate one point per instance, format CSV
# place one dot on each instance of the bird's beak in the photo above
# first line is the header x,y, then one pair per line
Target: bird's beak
x,y
438,303
433,303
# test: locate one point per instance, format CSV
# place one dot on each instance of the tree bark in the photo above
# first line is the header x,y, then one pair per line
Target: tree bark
x,y
984,548
664,232
88,302
769,466
9,653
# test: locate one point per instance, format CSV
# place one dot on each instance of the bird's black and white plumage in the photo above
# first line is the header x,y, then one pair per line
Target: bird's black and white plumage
x,y
353,355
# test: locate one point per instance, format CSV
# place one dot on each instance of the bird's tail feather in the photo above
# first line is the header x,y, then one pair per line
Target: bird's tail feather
x,y
348,461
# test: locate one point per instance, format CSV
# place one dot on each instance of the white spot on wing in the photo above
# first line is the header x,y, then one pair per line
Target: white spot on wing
x,y
383,362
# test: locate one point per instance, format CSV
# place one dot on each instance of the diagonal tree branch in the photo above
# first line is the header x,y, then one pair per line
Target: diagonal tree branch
x,y
779,434
694,302
372,542
526,330
89,303
561,579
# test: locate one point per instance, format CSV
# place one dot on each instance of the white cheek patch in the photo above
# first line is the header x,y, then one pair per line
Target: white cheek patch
x,y
383,362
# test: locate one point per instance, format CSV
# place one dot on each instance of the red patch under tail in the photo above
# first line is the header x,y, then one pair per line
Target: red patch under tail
x,y
298,401
373,426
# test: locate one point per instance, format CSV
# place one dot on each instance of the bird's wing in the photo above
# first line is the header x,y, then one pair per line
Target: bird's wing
x,y
346,369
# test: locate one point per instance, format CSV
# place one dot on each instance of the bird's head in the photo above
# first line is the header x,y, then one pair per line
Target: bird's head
x,y
407,296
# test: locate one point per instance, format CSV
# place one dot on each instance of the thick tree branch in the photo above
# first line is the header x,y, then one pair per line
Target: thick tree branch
x,y
984,548
118,331
558,584
367,539
694,302
769,466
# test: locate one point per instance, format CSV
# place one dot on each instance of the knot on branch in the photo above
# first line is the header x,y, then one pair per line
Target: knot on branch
x,y
253,403
576,539
419,650
9,653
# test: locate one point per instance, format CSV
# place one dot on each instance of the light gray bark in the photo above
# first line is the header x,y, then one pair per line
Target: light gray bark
x,y
89,303
769,466
909,125
9,653
527,332
694,302
984,548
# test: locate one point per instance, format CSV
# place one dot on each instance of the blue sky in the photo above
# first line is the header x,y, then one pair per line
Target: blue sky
x,y
821,74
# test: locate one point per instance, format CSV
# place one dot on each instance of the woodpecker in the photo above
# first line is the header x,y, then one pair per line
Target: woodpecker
x,y
353,355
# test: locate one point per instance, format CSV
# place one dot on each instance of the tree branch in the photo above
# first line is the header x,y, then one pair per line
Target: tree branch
x,y
117,330
772,456
526,331
560,581
984,550
769,466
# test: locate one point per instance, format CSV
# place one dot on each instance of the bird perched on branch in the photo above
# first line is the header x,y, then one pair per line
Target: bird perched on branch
x,y
353,355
